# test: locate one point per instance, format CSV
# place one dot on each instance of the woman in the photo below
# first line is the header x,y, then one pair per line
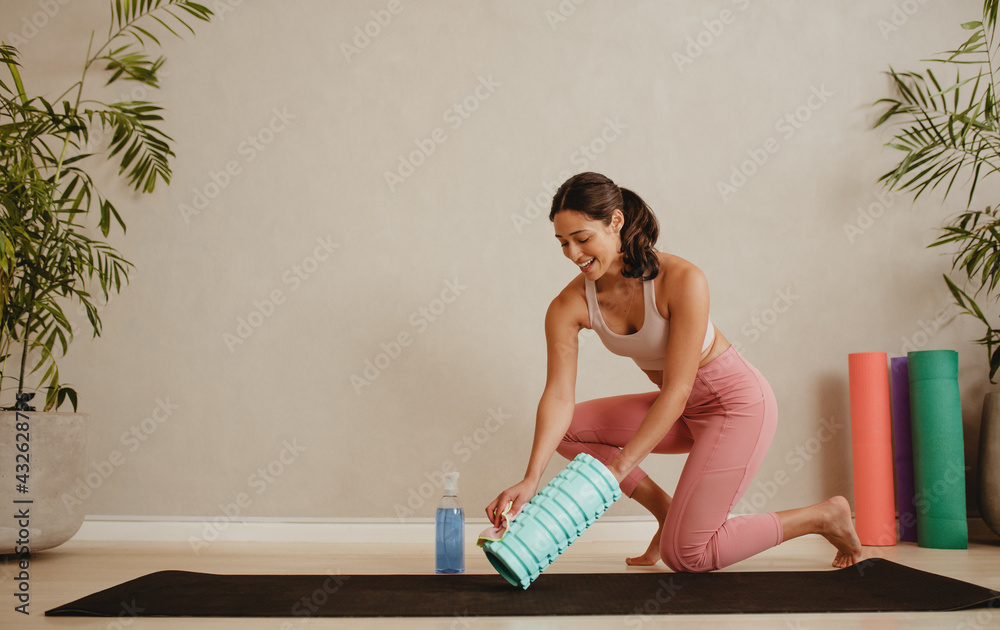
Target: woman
x,y
711,403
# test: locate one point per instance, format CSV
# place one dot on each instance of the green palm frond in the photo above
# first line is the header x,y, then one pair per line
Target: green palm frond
x,y
944,131
169,14
47,257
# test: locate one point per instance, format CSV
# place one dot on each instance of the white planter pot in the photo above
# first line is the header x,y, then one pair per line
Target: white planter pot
x,y
54,456
989,462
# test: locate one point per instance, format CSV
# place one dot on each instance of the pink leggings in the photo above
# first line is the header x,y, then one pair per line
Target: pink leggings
x,y
726,427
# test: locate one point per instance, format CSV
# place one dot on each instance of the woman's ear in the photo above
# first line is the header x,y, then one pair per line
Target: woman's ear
x,y
617,220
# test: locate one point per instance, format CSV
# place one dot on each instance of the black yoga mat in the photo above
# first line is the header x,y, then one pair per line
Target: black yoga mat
x,y
875,585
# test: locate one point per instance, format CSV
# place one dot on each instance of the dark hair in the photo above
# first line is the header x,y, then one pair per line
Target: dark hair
x,y
598,197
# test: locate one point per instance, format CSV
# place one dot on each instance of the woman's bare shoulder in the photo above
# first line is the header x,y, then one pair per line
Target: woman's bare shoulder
x,y
674,269
569,307
678,278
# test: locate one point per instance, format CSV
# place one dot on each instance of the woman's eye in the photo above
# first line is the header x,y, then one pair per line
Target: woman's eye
x,y
585,240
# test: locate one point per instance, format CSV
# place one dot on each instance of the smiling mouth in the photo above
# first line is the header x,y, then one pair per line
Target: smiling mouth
x,y
587,265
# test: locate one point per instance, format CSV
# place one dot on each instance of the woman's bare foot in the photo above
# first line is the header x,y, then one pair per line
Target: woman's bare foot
x,y
832,520
654,499
652,555
838,528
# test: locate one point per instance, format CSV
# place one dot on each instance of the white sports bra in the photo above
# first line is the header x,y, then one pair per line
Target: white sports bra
x,y
646,346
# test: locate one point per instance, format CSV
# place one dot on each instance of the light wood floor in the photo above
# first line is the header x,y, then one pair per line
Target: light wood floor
x,y
79,568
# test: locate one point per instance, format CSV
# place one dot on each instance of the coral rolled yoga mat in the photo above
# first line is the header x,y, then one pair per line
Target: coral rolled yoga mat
x,y
871,447
938,449
902,447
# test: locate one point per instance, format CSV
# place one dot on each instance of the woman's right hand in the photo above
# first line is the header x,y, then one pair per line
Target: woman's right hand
x,y
519,494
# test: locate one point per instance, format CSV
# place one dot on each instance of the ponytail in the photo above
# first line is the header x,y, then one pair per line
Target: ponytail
x,y
639,236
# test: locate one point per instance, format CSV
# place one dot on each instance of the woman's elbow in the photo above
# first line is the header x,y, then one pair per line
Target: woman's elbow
x,y
676,394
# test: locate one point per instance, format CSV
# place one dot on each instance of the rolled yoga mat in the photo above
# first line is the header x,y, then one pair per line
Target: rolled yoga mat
x,y
871,447
902,444
938,449
553,519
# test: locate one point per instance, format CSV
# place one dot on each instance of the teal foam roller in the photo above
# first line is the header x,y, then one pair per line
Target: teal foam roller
x,y
553,519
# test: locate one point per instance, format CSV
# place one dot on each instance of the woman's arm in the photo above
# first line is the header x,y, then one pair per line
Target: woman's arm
x,y
688,305
555,409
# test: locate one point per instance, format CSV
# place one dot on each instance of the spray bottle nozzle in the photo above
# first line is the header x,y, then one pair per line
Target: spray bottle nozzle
x,y
451,483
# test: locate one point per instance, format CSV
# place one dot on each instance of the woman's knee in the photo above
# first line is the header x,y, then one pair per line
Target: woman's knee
x,y
569,448
697,558
584,419
689,563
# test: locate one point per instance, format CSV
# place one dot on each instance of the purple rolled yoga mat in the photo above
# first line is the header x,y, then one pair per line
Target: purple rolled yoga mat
x,y
902,442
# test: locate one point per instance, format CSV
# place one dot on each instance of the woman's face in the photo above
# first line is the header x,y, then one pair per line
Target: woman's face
x,y
592,246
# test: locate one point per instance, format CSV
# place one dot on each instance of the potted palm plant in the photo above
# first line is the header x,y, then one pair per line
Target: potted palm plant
x,y
54,222
945,129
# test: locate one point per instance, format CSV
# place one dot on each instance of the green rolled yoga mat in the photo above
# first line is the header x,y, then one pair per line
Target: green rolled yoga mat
x,y
938,449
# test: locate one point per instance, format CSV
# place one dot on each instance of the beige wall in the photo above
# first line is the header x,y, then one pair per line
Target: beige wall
x,y
291,140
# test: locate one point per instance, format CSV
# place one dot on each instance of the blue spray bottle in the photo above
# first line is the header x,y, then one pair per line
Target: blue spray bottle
x,y
450,529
